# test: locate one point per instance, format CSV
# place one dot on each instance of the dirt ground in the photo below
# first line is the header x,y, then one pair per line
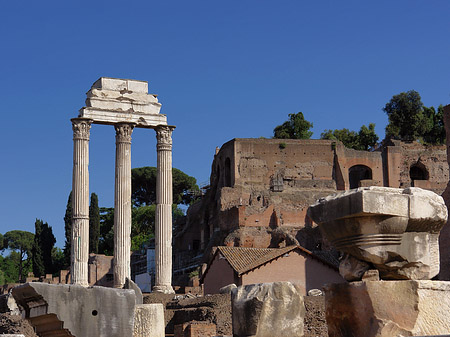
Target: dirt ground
x,y
217,309
13,324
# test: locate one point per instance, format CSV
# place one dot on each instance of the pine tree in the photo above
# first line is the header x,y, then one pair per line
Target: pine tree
x,y
68,231
94,224
36,250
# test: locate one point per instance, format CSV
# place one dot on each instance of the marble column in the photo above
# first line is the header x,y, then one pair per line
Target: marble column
x,y
80,202
163,218
122,204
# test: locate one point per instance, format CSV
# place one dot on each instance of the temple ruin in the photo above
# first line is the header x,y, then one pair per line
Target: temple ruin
x,y
125,104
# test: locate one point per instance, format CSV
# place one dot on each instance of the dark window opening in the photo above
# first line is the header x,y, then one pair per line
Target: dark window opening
x,y
357,173
418,172
228,172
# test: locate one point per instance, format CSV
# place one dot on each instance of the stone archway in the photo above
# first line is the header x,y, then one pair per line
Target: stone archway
x,y
357,173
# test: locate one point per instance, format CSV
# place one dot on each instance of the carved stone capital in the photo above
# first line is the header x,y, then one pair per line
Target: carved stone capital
x,y
164,137
81,128
123,132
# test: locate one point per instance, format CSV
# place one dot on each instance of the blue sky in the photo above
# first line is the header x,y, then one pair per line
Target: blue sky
x,y
222,70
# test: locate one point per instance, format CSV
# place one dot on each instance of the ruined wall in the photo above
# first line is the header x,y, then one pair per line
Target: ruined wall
x,y
444,236
260,189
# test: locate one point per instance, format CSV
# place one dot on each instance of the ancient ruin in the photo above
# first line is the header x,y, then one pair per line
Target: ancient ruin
x,y
395,232
125,104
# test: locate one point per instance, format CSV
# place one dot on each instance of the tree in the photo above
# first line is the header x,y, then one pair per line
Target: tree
x,y
36,251
143,186
94,224
407,120
106,239
68,231
436,133
365,139
43,244
20,242
294,128
48,241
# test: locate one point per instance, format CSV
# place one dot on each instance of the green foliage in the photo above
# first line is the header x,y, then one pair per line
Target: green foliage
x,y
36,251
58,259
407,120
68,231
9,271
143,182
94,224
43,244
436,133
21,243
294,128
282,146
106,240
365,139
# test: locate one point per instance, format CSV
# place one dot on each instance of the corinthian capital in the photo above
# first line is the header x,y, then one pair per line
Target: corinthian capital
x,y
81,128
123,132
164,137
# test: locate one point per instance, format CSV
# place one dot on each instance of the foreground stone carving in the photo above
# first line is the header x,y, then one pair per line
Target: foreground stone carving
x,y
388,308
395,231
268,310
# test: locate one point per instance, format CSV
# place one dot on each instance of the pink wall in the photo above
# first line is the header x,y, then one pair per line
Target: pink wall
x,y
298,268
218,275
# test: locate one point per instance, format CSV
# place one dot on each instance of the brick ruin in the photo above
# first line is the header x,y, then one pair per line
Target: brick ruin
x,y
260,190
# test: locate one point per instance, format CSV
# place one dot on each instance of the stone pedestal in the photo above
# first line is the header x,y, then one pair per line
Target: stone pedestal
x,y
80,202
122,205
163,218
268,310
388,308
149,320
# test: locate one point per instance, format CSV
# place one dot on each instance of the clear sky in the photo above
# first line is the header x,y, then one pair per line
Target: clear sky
x,y
222,70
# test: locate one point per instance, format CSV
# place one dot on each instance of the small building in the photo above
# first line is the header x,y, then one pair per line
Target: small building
x,y
242,266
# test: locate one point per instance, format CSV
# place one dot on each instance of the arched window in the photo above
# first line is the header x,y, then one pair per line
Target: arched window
x,y
228,172
357,173
418,172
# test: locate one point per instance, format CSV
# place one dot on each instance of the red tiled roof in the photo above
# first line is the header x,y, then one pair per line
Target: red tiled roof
x,y
243,259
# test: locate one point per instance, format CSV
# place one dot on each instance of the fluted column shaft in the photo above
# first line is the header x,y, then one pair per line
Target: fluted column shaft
x,y
163,219
122,204
80,202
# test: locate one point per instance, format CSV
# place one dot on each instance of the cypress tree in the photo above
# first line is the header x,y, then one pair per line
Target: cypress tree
x,y
36,250
47,243
68,231
94,224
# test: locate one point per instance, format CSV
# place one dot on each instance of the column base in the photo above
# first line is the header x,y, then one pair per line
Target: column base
x,y
164,289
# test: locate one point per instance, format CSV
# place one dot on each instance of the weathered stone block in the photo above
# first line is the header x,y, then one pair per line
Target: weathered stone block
x,y
267,310
149,320
394,230
388,308
84,312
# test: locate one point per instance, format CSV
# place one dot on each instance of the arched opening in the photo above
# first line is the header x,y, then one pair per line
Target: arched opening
x,y
228,172
418,172
357,173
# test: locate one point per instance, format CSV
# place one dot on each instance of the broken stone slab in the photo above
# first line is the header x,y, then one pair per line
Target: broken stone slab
x,y
227,289
149,320
267,310
73,310
113,100
388,308
394,230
